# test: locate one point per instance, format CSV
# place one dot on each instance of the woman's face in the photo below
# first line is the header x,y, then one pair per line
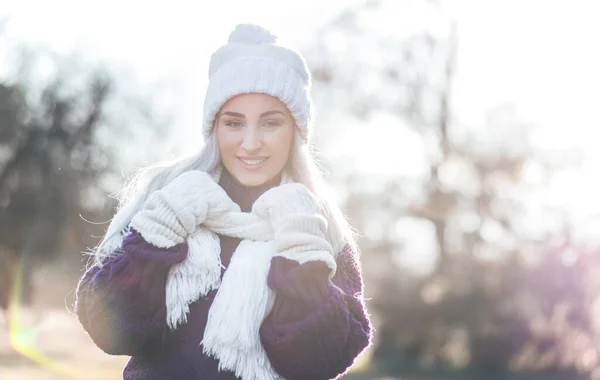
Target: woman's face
x,y
255,134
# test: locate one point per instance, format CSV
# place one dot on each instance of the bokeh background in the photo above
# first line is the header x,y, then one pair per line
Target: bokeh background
x,y
460,137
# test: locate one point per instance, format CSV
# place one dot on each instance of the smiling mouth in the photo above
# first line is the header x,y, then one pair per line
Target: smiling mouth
x,y
253,162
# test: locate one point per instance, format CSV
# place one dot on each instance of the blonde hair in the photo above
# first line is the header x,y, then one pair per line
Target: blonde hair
x,y
302,167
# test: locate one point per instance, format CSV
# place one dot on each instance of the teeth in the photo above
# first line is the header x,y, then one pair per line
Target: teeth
x,y
253,162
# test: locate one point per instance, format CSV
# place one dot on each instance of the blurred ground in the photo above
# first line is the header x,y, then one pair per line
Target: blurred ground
x,y
58,336
54,346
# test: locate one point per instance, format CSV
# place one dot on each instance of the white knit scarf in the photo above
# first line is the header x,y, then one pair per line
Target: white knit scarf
x,y
243,299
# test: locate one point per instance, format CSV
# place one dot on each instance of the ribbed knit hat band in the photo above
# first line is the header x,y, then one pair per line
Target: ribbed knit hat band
x,y
252,61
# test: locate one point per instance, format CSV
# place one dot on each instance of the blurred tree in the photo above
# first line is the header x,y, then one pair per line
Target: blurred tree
x,y
65,139
49,163
476,305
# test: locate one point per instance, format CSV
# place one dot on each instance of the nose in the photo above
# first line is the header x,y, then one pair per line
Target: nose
x,y
252,140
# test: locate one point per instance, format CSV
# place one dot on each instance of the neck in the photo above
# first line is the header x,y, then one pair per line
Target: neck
x,y
245,196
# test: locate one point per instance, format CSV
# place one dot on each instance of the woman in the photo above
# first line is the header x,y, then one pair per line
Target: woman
x,y
233,264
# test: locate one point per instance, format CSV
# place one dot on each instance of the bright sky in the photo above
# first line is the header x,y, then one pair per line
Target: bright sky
x,y
541,56
159,39
537,54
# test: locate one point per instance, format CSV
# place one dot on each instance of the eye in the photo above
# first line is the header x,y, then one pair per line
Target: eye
x,y
272,123
234,124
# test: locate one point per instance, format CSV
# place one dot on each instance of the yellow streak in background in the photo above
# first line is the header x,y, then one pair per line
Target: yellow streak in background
x,y
23,339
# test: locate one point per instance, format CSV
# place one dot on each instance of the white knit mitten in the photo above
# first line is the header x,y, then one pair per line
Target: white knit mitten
x,y
172,213
298,225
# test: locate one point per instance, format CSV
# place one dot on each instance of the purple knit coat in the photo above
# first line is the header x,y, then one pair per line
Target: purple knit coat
x,y
315,331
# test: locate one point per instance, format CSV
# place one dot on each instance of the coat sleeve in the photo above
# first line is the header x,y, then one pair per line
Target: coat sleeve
x,y
121,304
316,328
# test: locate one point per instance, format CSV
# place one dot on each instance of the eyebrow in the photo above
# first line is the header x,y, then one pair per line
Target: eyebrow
x,y
242,116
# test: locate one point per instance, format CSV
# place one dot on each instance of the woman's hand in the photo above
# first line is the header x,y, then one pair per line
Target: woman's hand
x,y
285,200
297,222
172,213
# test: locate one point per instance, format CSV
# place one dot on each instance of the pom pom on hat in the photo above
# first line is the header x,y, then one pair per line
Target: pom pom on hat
x,y
252,61
252,35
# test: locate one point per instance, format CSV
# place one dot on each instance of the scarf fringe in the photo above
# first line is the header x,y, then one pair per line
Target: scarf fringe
x,y
194,277
232,331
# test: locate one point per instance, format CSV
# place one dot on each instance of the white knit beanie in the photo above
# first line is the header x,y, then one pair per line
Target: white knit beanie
x,y
252,61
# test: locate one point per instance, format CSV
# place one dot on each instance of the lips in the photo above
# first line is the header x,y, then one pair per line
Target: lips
x,y
252,163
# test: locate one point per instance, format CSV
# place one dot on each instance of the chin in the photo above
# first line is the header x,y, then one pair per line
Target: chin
x,y
252,180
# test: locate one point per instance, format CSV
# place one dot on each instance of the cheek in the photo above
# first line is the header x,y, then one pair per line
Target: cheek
x,y
281,143
226,141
